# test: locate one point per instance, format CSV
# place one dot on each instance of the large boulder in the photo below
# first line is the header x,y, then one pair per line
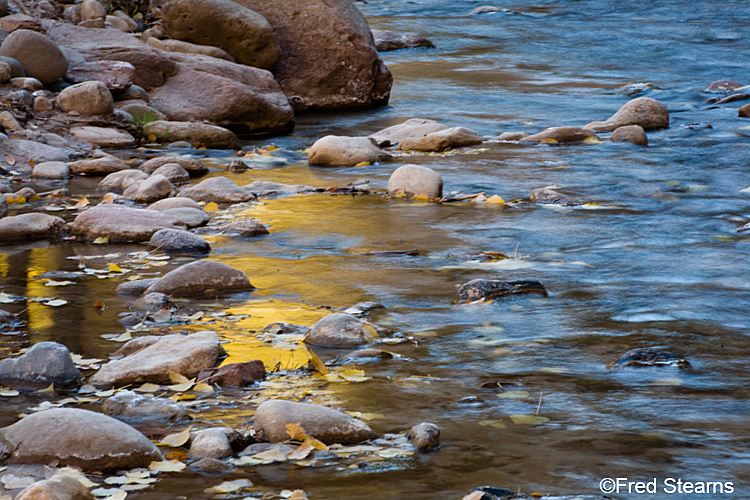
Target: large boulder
x,y
174,241
333,150
44,364
413,128
223,93
323,423
415,180
218,190
560,134
77,438
186,355
115,75
41,57
87,98
454,137
118,182
122,223
56,488
328,56
197,134
193,166
649,113
241,32
31,226
340,330
129,406
200,277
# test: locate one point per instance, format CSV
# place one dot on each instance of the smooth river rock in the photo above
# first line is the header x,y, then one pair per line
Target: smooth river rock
x,y
45,364
413,128
173,241
197,134
218,190
201,277
560,134
176,202
193,166
415,180
132,407
121,223
633,134
340,330
334,150
191,217
41,57
454,137
87,98
424,436
118,182
31,226
104,165
386,40
234,374
211,443
174,172
155,188
51,170
646,112
56,488
649,356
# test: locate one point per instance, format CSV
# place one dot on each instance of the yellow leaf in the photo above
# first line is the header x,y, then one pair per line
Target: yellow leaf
x,y
550,140
167,466
177,439
99,304
108,198
101,240
9,393
296,433
272,455
421,197
148,388
592,140
271,148
354,376
20,200
82,203
35,198
495,424
371,334
31,161
211,207
177,378
10,160
185,386
317,363
513,395
201,387
114,268
318,445
363,164
496,199
123,338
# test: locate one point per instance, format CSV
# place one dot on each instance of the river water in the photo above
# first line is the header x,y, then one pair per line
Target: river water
x,y
657,262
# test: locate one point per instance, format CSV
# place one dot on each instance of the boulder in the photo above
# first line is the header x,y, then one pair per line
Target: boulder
x,y
197,134
152,189
23,151
328,57
56,488
744,111
87,98
454,137
189,48
194,167
91,9
415,180
211,443
103,165
491,289
121,223
323,423
31,226
247,227
77,438
105,137
201,277
186,355
51,170
241,32
648,356
191,217
135,287
152,302
386,40
551,197
424,436
118,182
560,134
218,190
177,202
267,188
173,241
334,150
223,93
234,374
115,75
132,25
512,136
46,363
722,86
16,22
413,128
41,57
633,134
340,330
142,113
174,172
129,406
649,113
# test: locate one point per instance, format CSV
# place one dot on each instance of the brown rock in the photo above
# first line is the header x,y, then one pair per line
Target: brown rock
x,y
413,128
390,40
630,133
189,48
191,217
132,407
560,134
549,196
115,75
98,166
248,227
200,277
174,172
152,189
122,223
334,150
193,166
103,136
454,137
415,180
197,134
116,22
16,68
23,151
512,136
722,86
119,181
91,9
218,190
424,436
15,22
211,443
744,111
41,57
177,202
31,226
649,113
142,113
235,374
51,170
340,330
87,98
27,83
97,23
56,488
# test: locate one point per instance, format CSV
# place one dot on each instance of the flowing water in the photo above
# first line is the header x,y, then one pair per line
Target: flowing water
x,y
656,263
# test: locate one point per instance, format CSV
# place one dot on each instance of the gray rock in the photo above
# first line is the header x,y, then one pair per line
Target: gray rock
x,y
211,443
170,45
201,277
415,180
44,364
9,122
122,223
152,189
31,226
152,302
413,128
512,136
98,166
334,150
648,356
248,227
56,488
340,330
552,197
492,289
560,134
87,98
105,137
135,287
197,134
454,137
633,134
191,217
267,188
41,57
424,436
386,40
174,241
256,448
23,151
177,202
132,407
16,68
91,9
77,438
119,181
114,75
51,170
193,166
325,424
649,113
5,72
174,172
212,467
3,207
218,190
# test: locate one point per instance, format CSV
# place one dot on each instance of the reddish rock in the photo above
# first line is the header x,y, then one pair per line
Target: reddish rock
x,y
235,374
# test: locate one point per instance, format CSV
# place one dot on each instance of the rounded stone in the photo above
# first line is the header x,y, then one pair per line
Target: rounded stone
x,y
51,170
118,182
41,57
560,134
193,166
44,364
152,302
201,277
218,190
16,68
87,98
649,113
153,189
173,241
633,134
56,488
174,172
334,150
129,406
5,72
191,217
120,223
211,443
340,330
176,202
91,9
415,180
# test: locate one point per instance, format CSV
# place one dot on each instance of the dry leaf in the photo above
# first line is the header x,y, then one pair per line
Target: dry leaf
x,y
528,419
272,455
301,452
114,268
82,203
59,283
99,304
55,303
296,433
9,393
108,198
211,207
318,445
177,378
185,386
229,486
201,387
167,466
317,363
550,140
176,440
496,200
474,495
176,455
10,160
123,338
101,240
148,388
354,376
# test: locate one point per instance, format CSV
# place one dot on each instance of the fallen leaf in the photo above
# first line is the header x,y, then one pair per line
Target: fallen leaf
x,y
177,378
148,388
496,200
550,140
77,475
393,453
317,363
10,160
363,164
185,386
82,203
211,207
513,395
9,393
528,419
177,439
114,268
108,198
109,492
296,433
230,486
167,466
495,424
35,197
354,376
201,387
99,304
123,338
272,455
474,495
101,240
176,455
56,303
50,389
318,445
300,453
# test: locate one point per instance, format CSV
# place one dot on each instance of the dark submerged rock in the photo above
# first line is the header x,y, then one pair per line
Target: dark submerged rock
x,y
175,241
492,289
424,436
44,364
132,407
648,356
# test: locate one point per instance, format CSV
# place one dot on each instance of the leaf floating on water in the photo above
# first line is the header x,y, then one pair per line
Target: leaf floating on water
x,y
114,268
77,475
177,439
230,486
59,283
513,395
110,493
6,299
123,338
318,445
101,240
394,452
317,363
55,303
99,304
354,376
495,199
549,140
174,455
202,387
9,393
300,453
495,424
148,388
272,455
167,466
296,433
108,198
363,164
528,419
592,140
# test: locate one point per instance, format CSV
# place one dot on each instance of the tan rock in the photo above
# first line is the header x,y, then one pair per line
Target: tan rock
x,y
87,98
189,48
415,180
118,182
98,166
91,9
512,136
197,134
218,190
31,226
118,23
193,166
560,134
5,72
200,277
120,223
340,330
177,202
16,22
51,170
132,25
56,488
630,133
39,55
152,189
9,122
454,137
334,150
648,113
413,128
115,75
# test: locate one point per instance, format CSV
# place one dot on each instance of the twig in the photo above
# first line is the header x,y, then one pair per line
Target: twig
x,y
540,404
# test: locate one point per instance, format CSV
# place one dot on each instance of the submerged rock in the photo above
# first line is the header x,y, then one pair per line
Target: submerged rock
x,y
415,180
744,111
334,150
413,128
122,223
512,136
454,137
212,467
633,134
235,374
31,226
45,364
340,330
132,407
175,241
424,436
648,356
267,188
201,277
491,289
386,40
648,113
560,134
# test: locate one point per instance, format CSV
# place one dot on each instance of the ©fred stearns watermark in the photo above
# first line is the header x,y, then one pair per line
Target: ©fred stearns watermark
x,y
668,485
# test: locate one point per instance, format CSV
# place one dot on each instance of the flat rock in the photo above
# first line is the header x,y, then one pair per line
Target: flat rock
x,y
118,182
77,438
56,488
454,137
334,150
191,217
23,151
551,197
41,57
211,443
197,134
386,40
340,330
51,170
15,22
46,363
212,467
323,423
132,407
141,112
415,180
648,356
122,223
633,134
492,289
186,355
86,98
171,45
234,374
646,112
413,128
98,166
247,227
193,166
218,190
103,136
268,188
201,277
115,75
135,287
173,241
560,134
31,226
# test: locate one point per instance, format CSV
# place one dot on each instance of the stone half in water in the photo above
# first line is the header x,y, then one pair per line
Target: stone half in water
x,y
492,289
648,356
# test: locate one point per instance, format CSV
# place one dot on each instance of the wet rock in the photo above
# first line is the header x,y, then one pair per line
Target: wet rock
x,y
257,448
512,136
191,217
56,488
560,134
135,287
97,23
647,356
414,128
152,302
31,226
132,407
649,113
177,202
98,166
119,181
722,86
369,354
41,57
118,23
44,364
211,443
201,277
424,436
193,166
633,134
340,330
174,172
23,151
325,424
267,188
186,355
334,150
87,98
386,40
744,111
122,223
218,190
415,180
197,134
550,196
5,72
248,227
174,241
77,438
51,170
142,113
243,33
235,374
454,137
212,467
150,190
16,68
492,289
27,83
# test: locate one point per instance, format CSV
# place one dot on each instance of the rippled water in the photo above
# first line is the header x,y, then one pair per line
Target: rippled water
x,y
657,264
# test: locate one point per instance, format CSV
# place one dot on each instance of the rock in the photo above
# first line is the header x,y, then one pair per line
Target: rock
x,y
170,203
9,122
212,467
56,488
369,354
186,355
744,111
152,189
104,165
133,93
40,56
119,181
132,25
201,277
414,128
197,134
647,356
152,302
325,424
415,180
630,133
43,104
142,113
340,330
97,23
234,374
390,40
115,75
241,98
492,493
173,241
549,196
189,48
91,9
16,22
116,22
103,136
174,172
23,151
218,190
16,68
424,436
247,227
78,438
454,137
51,170
492,289
5,72
31,226
344,151
135,287
122,223
27,83
194,167
129,406
211,443
328,58
257,448
87,98
560,134
3,207
46,363
512,136
722,86
649,113
267,188
191,217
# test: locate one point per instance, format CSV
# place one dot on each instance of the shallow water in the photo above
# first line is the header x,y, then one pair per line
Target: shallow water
x,y
657,264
